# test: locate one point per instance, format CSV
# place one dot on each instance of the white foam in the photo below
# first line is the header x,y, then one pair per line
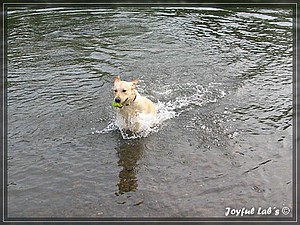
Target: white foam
x,y
109,128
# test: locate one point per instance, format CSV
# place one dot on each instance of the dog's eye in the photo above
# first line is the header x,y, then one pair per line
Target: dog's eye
x,y
115,90
124,90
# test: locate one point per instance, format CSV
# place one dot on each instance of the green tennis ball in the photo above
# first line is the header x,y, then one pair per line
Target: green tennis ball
x,y
116,104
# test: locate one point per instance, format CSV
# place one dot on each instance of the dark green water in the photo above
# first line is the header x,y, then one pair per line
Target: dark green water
x,y
222,80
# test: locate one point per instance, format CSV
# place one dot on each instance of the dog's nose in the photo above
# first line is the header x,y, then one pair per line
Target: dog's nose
x,y
117,100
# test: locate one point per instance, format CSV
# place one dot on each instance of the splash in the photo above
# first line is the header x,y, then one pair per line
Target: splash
x,y
109,128
165,111
179,99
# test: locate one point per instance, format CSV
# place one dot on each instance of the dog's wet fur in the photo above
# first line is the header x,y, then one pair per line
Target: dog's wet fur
x,y
134,107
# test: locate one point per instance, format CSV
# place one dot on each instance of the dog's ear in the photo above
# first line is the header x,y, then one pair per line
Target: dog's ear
x,y
117,79
134,83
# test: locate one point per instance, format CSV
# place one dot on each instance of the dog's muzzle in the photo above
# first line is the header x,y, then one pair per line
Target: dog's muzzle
x,y
118,100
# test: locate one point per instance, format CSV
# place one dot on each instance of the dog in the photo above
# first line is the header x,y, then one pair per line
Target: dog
x,y
134,110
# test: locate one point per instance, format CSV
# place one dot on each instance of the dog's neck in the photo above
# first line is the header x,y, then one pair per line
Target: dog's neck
x,y
135,96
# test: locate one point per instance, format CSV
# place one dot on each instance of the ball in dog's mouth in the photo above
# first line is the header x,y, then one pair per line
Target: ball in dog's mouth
x,y
117,104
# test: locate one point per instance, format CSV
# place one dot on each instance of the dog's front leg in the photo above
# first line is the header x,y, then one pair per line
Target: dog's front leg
x,y
136,122
123,122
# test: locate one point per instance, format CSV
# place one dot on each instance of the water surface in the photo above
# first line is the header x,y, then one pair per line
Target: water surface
x,y
222,81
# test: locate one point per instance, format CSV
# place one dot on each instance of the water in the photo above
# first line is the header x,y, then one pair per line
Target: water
x,y
222,82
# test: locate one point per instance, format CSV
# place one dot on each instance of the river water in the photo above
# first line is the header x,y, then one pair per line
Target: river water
x,y
222,82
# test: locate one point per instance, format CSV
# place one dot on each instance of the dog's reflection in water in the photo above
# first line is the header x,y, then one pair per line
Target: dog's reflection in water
x,y
129,153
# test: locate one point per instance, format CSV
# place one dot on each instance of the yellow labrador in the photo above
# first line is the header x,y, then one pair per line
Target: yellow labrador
x,y
134,109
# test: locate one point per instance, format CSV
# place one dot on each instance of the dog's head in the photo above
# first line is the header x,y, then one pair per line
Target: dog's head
x,y
124,91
